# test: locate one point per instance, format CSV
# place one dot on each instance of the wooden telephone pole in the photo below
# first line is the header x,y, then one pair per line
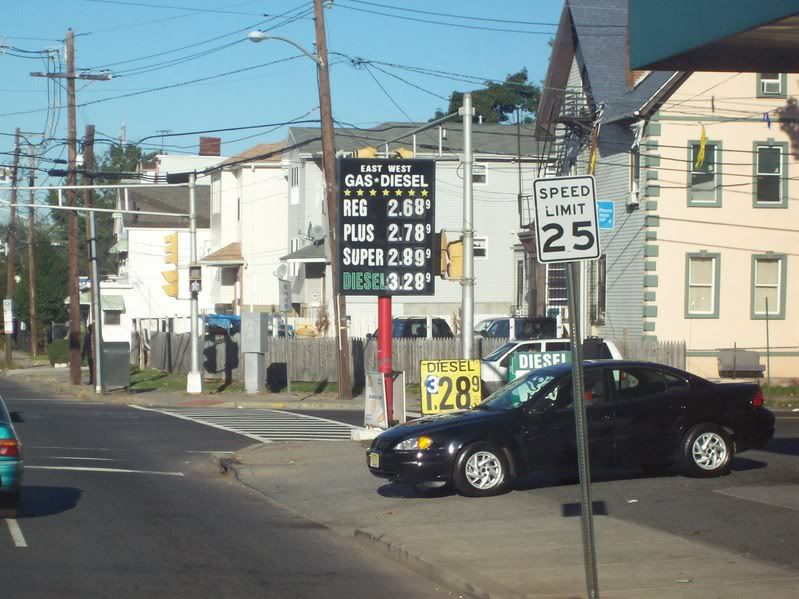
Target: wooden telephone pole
x,y
331,190
10,282
72,216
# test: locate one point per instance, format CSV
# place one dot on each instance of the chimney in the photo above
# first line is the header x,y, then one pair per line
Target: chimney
x,y
210,146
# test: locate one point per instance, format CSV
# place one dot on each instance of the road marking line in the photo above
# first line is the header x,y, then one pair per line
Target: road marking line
x,y
67,448
111,470
219,426
70,457
16,533
208,451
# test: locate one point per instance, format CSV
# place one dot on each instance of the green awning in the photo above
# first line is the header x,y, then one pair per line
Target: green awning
x,y
111,303
119,247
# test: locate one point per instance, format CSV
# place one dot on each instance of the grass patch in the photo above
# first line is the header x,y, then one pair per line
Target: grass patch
x,y
150,379
781,396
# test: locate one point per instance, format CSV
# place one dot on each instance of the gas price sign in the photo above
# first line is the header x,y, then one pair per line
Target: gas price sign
x,y
386,227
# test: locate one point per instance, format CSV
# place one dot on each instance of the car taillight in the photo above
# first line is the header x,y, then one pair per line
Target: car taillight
x,y
757,398
9,448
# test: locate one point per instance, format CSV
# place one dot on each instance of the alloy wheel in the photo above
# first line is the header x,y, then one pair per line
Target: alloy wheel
x,y
709,451
484,470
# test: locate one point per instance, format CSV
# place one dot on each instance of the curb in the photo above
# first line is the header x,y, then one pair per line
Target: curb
x,y
228,465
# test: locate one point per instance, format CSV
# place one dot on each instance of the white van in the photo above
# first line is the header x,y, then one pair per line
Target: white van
x,y
494,367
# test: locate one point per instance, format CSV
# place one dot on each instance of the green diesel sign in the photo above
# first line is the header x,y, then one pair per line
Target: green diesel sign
x,y
523,362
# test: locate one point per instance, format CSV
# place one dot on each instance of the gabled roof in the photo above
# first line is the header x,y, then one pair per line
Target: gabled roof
x,y
167,199
596,30
272,151
486,139
316,252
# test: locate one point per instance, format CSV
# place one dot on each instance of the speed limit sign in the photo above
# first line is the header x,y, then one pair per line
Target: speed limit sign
x,y
566,227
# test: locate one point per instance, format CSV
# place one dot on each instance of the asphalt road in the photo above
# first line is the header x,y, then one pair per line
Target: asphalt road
x,y
164,525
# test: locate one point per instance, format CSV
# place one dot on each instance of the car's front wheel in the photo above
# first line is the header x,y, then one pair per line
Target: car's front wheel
x,y
481,471
707,451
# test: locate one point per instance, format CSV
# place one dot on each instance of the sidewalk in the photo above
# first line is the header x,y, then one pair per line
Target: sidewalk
x,y
516,545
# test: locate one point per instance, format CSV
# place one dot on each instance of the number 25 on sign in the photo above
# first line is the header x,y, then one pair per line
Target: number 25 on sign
x,y
449,385
566,219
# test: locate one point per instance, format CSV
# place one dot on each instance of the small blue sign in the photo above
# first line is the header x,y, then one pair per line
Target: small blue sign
x,y
606,213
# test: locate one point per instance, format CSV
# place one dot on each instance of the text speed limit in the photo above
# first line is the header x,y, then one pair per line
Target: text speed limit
x,y
566,219
449,385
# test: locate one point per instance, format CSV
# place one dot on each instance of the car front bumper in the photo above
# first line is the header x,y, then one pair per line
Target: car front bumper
x,y
410,466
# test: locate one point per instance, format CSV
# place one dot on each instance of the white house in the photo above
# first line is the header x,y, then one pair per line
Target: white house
x,y
136,295
499,265
249,211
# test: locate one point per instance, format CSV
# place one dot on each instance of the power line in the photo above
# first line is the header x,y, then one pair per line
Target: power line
x,y
172,7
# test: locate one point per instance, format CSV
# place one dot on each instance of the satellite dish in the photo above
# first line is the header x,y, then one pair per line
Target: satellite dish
x,y
317,233
281,271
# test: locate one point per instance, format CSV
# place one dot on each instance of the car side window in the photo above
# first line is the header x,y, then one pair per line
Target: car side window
x,y
674,382
558,346
438,329
636,383
522,347
562,396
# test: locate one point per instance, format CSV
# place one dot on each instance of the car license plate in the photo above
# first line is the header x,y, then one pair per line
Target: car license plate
x,y
374,460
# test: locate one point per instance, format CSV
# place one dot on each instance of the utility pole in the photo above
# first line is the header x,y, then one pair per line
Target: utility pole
x,y
72,217
331,189
467,282
10,234
94,271
194,381
31,258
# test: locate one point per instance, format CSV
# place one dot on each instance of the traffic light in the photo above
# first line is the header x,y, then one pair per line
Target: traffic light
x,y
171,287
455,255
171,257
171,249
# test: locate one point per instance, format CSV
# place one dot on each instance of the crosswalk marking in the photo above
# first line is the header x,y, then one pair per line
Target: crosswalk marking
x,y
262,424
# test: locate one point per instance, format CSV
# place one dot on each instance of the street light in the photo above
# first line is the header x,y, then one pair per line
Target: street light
x,y
329,167
259,36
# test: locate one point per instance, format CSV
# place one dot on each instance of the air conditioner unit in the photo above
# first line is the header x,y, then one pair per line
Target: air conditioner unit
x,y
633,202
771,86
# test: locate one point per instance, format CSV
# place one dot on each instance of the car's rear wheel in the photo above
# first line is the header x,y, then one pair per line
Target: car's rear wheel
x,y
481,471
707,451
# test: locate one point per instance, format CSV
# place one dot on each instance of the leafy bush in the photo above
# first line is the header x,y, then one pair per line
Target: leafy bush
x,y
58,352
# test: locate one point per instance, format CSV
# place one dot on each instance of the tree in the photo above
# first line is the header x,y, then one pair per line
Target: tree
x,y
52,282
116,160
498,101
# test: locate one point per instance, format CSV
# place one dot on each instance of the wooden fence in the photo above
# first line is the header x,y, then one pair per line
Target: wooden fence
x,y
315,359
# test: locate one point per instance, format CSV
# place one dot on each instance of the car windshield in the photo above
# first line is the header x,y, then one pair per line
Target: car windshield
x,y
499,352
482,325
518,392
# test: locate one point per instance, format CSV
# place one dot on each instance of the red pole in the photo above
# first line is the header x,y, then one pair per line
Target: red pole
x,y
384,334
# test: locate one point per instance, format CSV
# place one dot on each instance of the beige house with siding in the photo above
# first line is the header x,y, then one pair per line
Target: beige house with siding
x,y
724,230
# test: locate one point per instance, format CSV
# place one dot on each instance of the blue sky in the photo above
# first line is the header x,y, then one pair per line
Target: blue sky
x,y
109,32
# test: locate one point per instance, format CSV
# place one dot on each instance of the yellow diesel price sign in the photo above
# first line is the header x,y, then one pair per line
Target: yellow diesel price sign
x,y
449,385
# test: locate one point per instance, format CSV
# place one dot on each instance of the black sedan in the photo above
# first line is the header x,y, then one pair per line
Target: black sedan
x,y
638,413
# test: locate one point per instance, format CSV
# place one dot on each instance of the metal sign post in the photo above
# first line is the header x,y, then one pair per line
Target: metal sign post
x,y
567,230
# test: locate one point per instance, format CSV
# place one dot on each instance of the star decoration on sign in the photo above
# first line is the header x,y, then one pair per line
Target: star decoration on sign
x,y
372,192
398,192
359,192
386,192
347,192
424,193
411,192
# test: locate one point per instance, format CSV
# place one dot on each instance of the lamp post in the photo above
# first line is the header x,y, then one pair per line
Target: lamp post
x,y
329,165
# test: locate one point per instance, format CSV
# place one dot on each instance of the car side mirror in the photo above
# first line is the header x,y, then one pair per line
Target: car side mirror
x,y
16,417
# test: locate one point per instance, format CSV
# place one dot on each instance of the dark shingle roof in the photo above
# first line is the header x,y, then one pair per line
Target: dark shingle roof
x,y
487,139
167,199
604,50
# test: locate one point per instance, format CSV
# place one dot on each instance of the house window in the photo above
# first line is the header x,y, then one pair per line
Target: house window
x,y
704,186
480,247
294,185
635,172
112,318
229,276
294,267
770,163
599,283
771,85
768,286
520,280
479,174
556,285
702,285
216,195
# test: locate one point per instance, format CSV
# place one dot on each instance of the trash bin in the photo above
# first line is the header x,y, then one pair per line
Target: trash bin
x,y
116,364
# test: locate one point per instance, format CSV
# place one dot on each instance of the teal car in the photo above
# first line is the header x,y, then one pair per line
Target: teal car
x,y
11,463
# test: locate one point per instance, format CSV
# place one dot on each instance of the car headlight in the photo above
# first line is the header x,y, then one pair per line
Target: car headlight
x,y
414,443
